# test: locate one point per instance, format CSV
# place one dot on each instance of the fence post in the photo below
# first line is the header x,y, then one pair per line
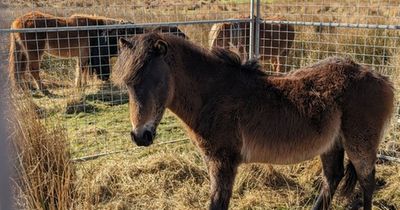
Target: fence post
x,y
6,198
252,21
257,34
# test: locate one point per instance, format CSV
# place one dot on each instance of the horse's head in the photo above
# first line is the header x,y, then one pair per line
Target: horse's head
x,y
142,68
100,62
100,56
111,36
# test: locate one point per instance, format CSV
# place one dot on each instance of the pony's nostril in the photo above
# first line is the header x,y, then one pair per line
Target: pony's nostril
x,y
148,136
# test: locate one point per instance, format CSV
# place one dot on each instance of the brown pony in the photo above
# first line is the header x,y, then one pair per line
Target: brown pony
x,y
275,40
26,50
237,114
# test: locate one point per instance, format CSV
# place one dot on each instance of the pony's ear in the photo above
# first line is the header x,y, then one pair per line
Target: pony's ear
x,y
124,43
161,47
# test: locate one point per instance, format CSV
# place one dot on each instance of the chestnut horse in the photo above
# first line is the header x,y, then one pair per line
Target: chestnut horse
x,y
235,113
27,49
275,40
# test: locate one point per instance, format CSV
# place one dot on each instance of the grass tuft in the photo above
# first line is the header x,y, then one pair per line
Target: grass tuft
x,y
44,174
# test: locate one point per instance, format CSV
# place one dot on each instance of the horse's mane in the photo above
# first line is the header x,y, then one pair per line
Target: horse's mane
x,y
125,72
233,59
143,51
227,56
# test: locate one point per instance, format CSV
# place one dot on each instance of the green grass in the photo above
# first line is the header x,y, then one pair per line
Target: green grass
x,y
102,123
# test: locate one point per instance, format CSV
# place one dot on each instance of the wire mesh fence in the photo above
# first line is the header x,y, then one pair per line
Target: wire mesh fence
x,y
64,51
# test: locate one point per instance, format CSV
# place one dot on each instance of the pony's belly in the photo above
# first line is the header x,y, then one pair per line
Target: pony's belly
x,y
282,155
290,147
63,45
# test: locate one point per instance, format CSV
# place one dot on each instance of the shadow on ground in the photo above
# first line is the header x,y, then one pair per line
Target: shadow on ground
x,y
110,95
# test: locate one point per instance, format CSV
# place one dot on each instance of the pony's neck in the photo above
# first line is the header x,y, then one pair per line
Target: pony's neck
x,y
194,76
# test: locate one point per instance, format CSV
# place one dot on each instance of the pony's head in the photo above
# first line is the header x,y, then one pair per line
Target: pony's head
x,y
110,36
100,57
104,46
143,68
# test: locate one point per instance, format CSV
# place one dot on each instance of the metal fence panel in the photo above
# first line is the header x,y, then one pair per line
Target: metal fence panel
x,y
284,35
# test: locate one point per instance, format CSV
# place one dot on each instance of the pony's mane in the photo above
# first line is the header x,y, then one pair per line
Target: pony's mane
x,y
134,60
227,56
233,59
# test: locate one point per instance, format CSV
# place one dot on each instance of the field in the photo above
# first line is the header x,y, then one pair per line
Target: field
x,y
171,174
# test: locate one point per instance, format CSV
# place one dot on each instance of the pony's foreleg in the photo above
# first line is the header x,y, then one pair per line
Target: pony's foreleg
x,y
35,72
333,172
222,171
275,61
85,75
82,72
78,74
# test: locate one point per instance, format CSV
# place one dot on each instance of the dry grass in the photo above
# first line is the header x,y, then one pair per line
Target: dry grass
x,y
170,180
44,174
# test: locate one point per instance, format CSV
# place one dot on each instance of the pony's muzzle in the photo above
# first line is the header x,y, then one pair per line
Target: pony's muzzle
x,y
145,139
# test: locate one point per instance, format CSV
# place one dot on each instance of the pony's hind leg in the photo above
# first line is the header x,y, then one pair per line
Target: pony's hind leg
x,y
333,171
363,127
361,144
78,74
82,72
364,166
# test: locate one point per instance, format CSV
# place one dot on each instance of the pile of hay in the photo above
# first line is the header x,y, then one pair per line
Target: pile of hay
x,y
163,180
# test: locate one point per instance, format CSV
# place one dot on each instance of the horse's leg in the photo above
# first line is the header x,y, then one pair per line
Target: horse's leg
x,y
365,170
85,75
78,74
361,142
85,69
333,171
82,68
366,178
278,64
283,68
275,61
222,171
34,65
35,56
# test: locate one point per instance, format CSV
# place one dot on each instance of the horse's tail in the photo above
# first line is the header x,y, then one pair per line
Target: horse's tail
x,y
17,60
350,179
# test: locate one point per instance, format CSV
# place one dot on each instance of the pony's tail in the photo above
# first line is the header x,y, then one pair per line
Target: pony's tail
x,y
350,179
17,61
